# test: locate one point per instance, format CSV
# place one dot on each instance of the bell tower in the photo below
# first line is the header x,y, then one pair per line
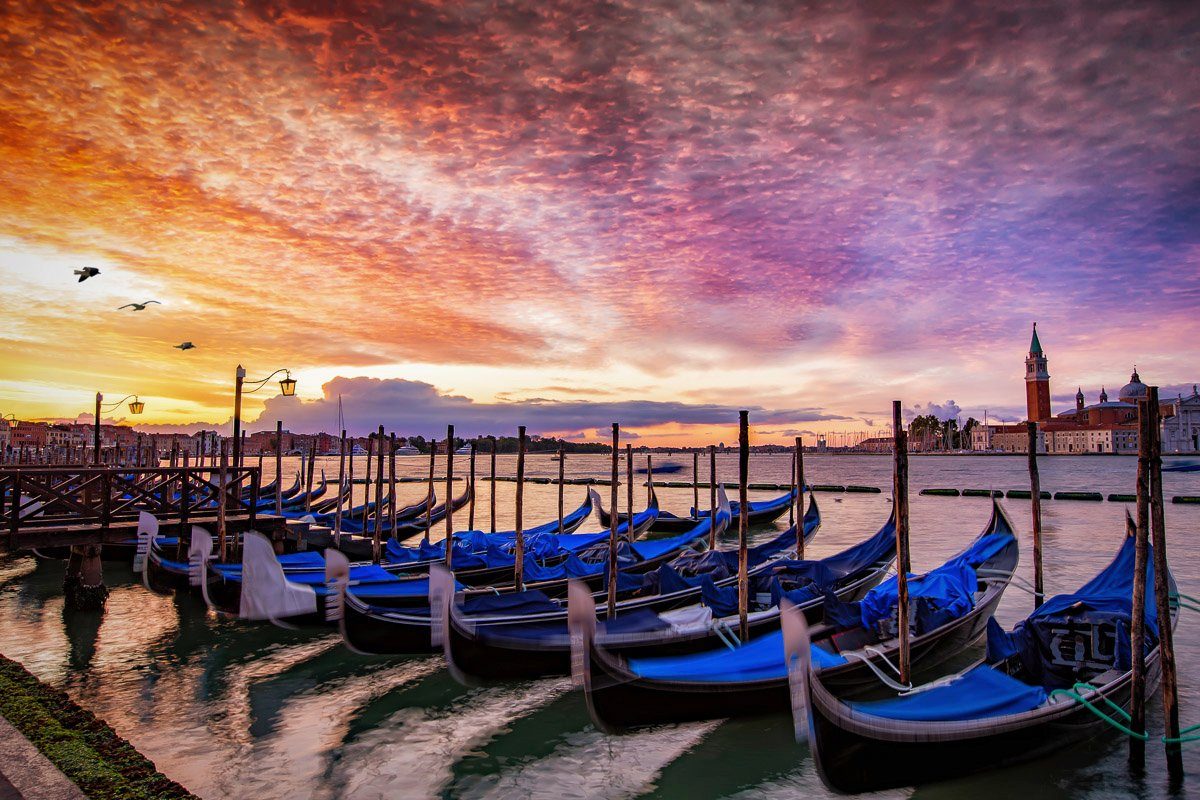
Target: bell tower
x,y
1037,381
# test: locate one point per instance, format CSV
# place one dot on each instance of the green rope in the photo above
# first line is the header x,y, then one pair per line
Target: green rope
x,y
1075,695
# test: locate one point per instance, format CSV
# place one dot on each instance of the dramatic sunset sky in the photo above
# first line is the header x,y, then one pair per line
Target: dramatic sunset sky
x,y
647,212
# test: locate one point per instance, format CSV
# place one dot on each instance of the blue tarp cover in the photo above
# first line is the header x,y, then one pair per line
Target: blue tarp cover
x,y
759,659
979,693
1073,635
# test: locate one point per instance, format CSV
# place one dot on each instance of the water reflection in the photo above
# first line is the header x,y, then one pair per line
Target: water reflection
x,y
234,709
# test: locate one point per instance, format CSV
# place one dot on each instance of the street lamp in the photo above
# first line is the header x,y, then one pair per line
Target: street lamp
x,y
287,386
136,407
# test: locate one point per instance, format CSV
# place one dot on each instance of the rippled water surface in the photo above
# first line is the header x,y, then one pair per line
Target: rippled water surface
x,y
248,710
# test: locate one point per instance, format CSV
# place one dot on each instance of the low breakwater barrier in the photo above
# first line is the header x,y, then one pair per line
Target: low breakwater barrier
x,y
1011,494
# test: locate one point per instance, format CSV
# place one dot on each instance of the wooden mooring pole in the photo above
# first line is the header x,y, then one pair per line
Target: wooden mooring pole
x,y
1162,599
562,459
612,523
628,486
341,489
1035,502
308,483
798,456
712,497
429,488
279,467
1137,619
450,497
900,502
392,483
471,504
492,491
377,531
366,509
696,481
519,551
743,525
222,485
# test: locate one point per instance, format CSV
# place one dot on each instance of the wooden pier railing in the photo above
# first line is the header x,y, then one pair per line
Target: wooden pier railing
x,y
84,504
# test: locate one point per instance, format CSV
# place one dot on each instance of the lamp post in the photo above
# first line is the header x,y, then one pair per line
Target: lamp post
x,y
135,407
286,385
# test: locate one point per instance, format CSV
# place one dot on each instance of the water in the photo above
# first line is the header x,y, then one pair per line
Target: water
x,y
245,710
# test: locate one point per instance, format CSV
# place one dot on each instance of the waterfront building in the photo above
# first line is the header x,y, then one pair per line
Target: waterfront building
x,y
1181,428
28,434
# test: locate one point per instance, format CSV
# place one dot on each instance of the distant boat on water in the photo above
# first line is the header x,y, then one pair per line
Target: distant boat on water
x,y
407,450
1182,466
661,469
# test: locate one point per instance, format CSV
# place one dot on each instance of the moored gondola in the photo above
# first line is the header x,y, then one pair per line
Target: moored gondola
x,y
508,646
762,512
1036,692
858,640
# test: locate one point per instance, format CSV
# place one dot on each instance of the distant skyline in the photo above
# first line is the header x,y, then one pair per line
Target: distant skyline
x,y
567,214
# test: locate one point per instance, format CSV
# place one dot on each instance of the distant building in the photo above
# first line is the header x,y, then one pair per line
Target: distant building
x,y
1181,428
1037,381
876,444
29,434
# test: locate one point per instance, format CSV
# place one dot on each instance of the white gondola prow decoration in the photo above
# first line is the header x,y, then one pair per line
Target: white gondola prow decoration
x,y
441,595
796,655
267,594
147,531
581,623
199,552
337,578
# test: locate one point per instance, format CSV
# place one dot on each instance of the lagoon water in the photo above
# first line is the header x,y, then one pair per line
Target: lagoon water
x,y
232,709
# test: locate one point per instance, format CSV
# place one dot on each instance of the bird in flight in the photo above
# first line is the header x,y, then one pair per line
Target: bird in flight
x,y
185,346
139,306
87,272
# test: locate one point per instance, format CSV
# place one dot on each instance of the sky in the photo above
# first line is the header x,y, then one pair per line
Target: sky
x,y
565,214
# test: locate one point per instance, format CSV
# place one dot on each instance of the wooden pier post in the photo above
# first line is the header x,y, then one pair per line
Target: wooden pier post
x,y
492,498
712,497
696,481
1035,498
743,525
392,483
341,489
1162,598
312,467
519,551
376,540
628,486
612,522
367,483
900,503
649,485
1137,620
350,476
798,487
562,459
792,485
223,489
279,467
429,489
471,504
184,538
450,497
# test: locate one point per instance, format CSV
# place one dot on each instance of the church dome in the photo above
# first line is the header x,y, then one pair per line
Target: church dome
x,y
1134,390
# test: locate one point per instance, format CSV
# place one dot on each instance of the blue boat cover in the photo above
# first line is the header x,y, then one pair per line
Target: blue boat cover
x,y
979,693
757,660
937,597
755,505
1074,635
527,602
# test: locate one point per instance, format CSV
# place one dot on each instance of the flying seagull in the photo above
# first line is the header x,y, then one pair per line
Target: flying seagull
x,y
139,306
185,346
87,272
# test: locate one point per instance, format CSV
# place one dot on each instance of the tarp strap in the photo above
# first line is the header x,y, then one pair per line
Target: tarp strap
x,y
1076,694
722,632
885,679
